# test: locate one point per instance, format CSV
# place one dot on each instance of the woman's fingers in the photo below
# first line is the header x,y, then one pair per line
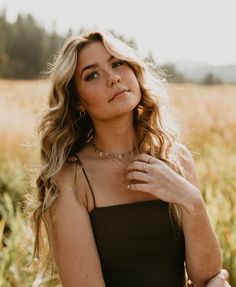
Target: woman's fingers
x,y
219,280
139,176
147,174
144,158
138,187
224,274
140,162
139,166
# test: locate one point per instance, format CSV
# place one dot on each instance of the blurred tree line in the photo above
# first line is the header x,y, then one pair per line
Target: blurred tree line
x,y
26,48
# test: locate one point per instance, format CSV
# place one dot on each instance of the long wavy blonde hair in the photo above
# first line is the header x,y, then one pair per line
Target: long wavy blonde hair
x,y
63,133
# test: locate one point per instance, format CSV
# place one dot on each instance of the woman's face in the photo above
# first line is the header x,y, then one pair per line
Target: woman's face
x,y
107,86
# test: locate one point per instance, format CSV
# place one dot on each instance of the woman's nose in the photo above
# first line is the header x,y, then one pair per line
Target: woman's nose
x,y
113,78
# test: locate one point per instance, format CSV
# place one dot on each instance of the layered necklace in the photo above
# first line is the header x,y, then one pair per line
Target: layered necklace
x,y
117,156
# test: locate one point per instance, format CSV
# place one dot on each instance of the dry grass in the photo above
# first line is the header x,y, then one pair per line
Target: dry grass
x,y
206,111
208,117
20,104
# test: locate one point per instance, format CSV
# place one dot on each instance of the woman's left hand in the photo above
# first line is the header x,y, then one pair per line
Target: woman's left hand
x,y
151,175
220,280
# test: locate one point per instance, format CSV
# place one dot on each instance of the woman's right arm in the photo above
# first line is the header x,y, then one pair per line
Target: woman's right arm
x,y
71,234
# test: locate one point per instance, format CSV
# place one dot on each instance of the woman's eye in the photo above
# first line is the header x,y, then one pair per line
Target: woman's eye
x,y
118,64
91,76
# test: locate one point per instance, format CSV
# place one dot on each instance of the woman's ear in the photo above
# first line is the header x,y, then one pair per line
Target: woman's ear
x,y
80,107
81,110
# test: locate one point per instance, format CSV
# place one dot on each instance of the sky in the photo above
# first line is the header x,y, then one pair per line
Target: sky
x,y
202,31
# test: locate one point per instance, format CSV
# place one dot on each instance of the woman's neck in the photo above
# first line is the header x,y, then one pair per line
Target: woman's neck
x,y
115,136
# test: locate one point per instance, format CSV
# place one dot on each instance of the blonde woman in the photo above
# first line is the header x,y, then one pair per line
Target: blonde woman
x,y
118,193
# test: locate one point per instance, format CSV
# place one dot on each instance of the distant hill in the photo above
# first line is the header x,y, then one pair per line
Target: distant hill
x,y
197,71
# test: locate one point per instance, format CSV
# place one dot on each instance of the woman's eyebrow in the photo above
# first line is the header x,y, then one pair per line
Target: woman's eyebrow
x,y
95,65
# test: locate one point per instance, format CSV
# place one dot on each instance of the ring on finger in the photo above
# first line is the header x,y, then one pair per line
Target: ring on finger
x,y
145,164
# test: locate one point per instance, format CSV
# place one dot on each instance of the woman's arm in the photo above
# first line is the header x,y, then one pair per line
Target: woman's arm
x,y
74,247
151,175
203,255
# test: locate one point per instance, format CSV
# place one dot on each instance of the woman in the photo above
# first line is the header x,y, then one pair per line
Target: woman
x,y
118,193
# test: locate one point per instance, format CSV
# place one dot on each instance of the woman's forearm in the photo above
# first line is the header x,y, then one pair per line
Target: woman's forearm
x,y
203,254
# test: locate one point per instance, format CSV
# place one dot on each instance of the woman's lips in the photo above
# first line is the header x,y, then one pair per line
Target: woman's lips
x,y
118,94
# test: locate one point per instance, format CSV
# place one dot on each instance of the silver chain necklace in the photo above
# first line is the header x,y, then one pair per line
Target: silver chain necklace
x,y
118,156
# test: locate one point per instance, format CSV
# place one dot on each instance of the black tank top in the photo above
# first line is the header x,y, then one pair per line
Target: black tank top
x,y
138,244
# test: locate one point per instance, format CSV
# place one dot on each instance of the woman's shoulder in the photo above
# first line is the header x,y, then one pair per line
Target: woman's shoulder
x,y
66,171
71,167
185,158
181,150
182,153
69,179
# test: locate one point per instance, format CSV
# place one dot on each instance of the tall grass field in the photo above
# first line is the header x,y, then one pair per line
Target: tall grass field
x,y
207,115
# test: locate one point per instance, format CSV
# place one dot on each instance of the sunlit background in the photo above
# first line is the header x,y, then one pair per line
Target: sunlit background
x,y
192,41
201,31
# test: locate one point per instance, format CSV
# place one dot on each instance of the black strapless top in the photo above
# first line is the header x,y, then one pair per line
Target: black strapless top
x,y
138,244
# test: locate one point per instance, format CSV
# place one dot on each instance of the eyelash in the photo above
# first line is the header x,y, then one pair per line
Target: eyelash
x,y
91,75
118,63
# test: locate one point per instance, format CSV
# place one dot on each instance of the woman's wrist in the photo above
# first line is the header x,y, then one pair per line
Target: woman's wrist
x,y
192,201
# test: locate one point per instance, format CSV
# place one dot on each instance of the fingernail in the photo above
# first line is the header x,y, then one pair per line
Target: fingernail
x,y
224,274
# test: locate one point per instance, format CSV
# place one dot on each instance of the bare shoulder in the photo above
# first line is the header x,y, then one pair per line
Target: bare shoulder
x,y
69,193
186,160
65,174
184,153
71,233
69,180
